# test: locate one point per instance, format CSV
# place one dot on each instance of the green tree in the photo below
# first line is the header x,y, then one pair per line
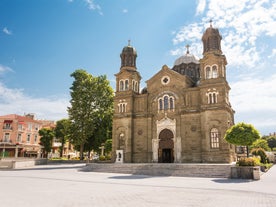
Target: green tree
x,y
62,132
260,143
242,134
271,141
46,139
91,104
108,146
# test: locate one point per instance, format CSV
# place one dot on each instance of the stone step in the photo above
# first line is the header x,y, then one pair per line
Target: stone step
x,y
160,169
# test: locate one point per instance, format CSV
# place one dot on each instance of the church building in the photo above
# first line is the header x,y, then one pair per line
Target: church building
x,y
182,114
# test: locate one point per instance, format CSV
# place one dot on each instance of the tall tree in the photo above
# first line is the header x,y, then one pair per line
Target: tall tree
x,y
242,134
46,139
91,101
62,132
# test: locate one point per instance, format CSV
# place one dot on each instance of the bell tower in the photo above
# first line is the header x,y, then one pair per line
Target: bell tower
x,y
127,89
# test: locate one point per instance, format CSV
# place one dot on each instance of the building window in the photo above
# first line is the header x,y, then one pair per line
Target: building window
x,y
211,72
212,96
28,138
7,126
19,138
35,138
166,103
122,106
7,137
121,83
126,84
214,138
208,72
20,127
160,104
29,126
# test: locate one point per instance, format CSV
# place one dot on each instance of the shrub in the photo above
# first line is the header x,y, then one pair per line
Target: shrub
x,y
102,158
108,157
260,152
249,161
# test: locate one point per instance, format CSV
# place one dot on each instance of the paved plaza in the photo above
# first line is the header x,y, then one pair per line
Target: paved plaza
x,y
68,186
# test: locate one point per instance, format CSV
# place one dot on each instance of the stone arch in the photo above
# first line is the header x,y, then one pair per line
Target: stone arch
x,y
166,146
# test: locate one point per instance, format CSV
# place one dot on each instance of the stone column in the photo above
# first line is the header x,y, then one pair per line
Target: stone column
x,y
155,145
178,149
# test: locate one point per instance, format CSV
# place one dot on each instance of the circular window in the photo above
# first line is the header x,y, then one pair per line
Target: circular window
x,y
165,80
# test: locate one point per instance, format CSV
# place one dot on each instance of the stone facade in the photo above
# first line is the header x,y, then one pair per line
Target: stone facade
x,y
182,114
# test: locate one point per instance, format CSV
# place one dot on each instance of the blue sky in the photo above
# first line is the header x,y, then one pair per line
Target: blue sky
x,y
43,41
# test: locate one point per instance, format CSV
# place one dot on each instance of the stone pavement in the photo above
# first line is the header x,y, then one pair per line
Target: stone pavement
x,y
68,186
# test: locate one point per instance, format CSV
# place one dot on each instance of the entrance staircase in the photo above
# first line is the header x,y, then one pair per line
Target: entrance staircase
x,y
163,169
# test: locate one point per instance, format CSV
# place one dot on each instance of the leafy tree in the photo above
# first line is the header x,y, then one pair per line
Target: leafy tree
x,y
260,143
242,134
271,141
108,146
62,132
91,104
46,139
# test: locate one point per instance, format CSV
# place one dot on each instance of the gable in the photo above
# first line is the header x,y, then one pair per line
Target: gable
x,y
167,78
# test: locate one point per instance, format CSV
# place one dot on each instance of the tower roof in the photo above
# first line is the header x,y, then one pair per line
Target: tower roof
x,y
211,39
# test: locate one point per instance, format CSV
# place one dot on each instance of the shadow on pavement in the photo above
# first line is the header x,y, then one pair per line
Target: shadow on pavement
x,y
231,181
129,177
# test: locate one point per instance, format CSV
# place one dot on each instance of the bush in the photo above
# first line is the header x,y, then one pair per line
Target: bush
x,y
249,161
102,158
260,152
108,157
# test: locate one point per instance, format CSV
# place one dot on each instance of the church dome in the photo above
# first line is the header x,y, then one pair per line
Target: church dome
x,y
128,56
211,40
129,50
187,58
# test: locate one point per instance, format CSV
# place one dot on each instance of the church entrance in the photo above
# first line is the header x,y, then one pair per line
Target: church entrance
x,y
166,147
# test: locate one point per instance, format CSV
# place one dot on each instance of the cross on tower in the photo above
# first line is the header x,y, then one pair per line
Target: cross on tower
x,y
211,21
187,46
128,42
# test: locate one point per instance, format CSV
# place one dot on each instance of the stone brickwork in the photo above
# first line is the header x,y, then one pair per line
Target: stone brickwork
x,y
181,116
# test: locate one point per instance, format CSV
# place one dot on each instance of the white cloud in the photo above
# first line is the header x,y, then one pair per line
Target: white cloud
x,y
15,101
4,69
254,101
93,6
241,23
200,7
125,11
6,31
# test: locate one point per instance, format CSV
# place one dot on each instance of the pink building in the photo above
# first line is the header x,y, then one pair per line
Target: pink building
x,y
19,136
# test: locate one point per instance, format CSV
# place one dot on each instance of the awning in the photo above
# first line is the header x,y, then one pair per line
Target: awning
x,y
7,121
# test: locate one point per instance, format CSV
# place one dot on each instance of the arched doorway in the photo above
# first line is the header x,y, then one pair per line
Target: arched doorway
x,y
166,147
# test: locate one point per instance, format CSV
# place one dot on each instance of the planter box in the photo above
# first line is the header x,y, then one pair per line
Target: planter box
x,y
245,172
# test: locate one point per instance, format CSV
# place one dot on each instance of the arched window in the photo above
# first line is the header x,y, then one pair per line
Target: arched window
x,y
214,138
214,71
160,104
166,103
126,84
171,103
121,85
212,97
133,85
208,72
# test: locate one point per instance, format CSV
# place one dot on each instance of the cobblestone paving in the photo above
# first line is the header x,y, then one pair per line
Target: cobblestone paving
x,y
67,186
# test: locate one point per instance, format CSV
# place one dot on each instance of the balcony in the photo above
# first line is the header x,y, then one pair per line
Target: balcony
x,y
7,128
